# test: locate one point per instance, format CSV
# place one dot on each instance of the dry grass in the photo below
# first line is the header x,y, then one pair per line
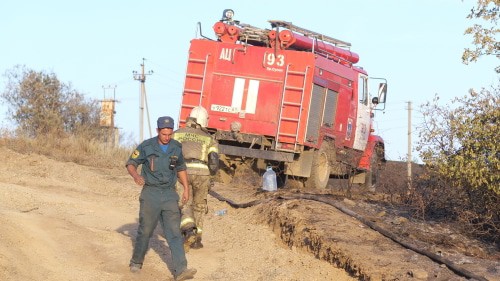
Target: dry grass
x,y
80,150
474,211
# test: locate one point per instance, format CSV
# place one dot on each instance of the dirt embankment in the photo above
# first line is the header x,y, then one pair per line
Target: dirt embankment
x,y
62,221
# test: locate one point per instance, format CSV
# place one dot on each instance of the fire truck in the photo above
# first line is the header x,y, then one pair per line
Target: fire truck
x,y
285,97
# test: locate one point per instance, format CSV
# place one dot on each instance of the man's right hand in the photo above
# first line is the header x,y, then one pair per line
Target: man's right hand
x,y
139,180
132,170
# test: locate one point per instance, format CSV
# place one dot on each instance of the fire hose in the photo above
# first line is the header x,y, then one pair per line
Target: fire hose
x,y
319,198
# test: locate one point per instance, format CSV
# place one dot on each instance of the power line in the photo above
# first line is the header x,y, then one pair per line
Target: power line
x,y
143,100
409,146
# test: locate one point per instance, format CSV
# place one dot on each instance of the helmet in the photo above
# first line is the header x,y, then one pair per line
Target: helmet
x,y
201,116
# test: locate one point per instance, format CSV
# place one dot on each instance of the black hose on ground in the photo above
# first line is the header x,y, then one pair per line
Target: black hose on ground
x,y
314,197
237,205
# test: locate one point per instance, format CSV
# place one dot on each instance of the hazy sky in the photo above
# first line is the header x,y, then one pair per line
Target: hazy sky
x,y
415,45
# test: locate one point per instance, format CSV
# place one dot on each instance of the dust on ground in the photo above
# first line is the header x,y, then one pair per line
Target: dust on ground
x,y
63,221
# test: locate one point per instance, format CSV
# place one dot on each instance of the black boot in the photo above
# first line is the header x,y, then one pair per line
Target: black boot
x,y
197,244
189,238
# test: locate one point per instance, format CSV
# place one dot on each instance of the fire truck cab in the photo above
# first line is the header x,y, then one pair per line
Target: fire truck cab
x,y
287,97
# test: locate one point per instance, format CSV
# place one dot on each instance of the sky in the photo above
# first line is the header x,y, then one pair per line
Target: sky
x,y
95,45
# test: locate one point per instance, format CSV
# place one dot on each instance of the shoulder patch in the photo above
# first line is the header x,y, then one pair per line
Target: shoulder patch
x,y
135,154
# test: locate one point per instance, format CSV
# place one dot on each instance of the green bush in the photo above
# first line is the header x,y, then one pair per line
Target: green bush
x,y
460,146
40,104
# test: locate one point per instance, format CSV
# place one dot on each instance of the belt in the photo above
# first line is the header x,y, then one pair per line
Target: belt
x,y
195,161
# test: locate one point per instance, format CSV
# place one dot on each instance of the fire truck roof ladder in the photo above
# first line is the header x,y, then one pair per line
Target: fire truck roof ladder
x,y
309,33
252,33
198,73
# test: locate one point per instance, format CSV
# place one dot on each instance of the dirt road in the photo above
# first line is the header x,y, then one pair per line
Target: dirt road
x,y
63,221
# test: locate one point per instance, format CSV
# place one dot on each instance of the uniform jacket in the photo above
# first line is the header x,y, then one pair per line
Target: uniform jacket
x,y
155,163
196,145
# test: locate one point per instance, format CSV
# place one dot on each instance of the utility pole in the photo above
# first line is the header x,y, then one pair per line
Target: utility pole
x,y
409,147
107,120
143,100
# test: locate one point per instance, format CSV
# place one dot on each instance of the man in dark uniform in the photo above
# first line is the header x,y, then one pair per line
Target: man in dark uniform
x,y
202,160
162,165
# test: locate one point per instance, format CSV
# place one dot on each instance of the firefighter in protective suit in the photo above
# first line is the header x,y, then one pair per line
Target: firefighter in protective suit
x,y
200,152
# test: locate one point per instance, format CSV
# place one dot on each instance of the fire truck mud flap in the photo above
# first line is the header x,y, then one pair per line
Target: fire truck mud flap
x,y
302,166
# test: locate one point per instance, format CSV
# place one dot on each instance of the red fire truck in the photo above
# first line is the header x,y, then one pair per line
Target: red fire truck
x,y
286,97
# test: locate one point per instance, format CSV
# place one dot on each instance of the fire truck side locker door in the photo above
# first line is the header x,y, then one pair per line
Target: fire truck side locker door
x,y
315,114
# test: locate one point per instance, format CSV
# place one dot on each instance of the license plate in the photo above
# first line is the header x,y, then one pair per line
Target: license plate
x,y
224,108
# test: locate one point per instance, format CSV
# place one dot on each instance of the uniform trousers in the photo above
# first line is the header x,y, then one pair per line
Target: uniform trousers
x,y
160,204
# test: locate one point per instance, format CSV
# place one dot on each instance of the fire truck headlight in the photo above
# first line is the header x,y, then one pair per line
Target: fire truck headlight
x,y
227,15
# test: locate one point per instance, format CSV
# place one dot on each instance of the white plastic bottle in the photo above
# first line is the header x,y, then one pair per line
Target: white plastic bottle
x,y
221,212
269,180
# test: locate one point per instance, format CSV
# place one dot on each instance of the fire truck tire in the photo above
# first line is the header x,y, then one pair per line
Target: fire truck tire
x,y
320,170
371,178
369,184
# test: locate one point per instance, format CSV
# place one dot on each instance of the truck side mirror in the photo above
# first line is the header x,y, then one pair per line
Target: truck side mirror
x,y
375,100
382,92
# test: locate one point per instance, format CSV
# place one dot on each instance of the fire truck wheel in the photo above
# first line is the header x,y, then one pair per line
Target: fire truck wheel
x,y
372,175
320,170
369,184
